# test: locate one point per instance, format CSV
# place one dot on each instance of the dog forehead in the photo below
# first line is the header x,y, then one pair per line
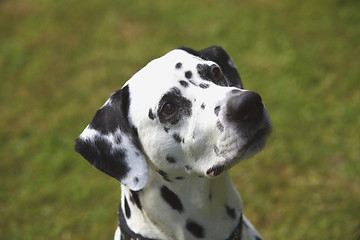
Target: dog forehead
x,y
160,75
165,69
175,56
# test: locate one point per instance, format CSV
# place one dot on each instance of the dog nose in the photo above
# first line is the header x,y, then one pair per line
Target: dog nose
x,y
245,107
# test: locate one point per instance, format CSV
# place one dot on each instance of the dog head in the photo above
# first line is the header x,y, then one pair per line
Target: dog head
x,y
183,113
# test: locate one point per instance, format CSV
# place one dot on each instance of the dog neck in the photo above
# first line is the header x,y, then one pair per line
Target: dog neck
x,y
186,207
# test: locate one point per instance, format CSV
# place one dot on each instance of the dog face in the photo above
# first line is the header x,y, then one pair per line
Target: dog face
x,y
183,113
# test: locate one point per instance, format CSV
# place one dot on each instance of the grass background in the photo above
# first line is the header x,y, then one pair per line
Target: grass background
x,y
60,60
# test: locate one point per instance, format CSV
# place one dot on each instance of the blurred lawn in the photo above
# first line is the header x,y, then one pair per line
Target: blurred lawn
x,y
60,60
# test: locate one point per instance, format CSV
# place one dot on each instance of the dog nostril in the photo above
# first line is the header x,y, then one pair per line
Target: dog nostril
x,y
245,107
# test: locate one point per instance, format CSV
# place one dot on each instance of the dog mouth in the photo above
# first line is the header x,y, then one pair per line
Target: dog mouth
x,y
253,145
215,171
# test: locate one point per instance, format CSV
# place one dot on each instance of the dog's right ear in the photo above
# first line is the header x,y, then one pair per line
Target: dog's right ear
x,y
219,55
111,144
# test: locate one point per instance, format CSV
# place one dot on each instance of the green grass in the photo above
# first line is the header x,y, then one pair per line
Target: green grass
x,y
60,60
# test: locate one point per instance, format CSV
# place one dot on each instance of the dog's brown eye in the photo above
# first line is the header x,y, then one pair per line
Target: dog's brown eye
x,y
169,109
216,72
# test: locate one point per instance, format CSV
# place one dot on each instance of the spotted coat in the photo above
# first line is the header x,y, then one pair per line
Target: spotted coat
x,y
169,135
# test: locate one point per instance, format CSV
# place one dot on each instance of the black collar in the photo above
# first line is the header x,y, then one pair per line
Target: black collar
x,y
236,234
127,234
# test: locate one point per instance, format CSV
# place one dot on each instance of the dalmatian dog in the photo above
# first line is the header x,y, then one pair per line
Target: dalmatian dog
x,y
169,135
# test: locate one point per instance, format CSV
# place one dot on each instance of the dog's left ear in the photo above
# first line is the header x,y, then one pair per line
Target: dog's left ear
x,y
219,55
111,144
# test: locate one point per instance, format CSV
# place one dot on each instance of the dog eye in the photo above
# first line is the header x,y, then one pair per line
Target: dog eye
x,y
216,73
169,109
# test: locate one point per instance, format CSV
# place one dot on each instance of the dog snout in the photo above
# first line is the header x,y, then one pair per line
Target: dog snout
x,y
245,107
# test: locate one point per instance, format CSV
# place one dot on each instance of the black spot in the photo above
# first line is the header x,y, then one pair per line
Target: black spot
x,y
193,83
204,85
204,71
210,196
178,65
258,238
135,134
184,83
127,209
217,110
170,159
195,229
164,175
100,154
113,115
188,168
172,199
175,98
136,179
216,150
100,121
166,129
194,135
118,139
151,115
203,106
135,198
180,178
220,126
188,74
177,137
230,211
